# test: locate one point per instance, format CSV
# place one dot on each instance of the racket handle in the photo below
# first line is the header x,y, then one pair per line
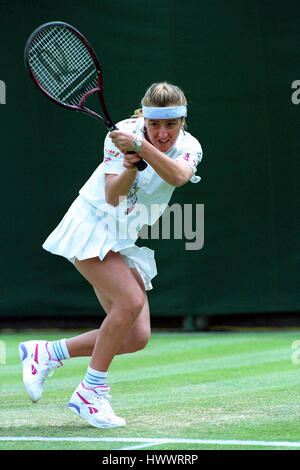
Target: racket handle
x,y
141,165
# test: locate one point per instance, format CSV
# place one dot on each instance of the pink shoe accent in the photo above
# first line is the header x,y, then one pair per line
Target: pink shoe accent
x,y
83,399
46,346
55,360
93,410
103,388
36,354
33,370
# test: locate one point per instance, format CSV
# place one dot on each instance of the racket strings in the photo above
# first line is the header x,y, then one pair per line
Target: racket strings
x,y
62,64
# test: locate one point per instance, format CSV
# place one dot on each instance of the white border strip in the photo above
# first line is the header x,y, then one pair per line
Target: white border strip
x,y
147,442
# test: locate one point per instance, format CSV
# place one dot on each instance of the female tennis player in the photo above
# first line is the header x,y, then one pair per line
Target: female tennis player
x,y
98,234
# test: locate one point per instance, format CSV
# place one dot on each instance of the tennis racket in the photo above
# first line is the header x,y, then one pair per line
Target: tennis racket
x,y
65,68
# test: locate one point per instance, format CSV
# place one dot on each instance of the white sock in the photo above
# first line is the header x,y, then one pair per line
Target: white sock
x,y
58,350
93,378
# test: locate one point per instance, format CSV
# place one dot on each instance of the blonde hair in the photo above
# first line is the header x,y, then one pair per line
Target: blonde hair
x,y
161,95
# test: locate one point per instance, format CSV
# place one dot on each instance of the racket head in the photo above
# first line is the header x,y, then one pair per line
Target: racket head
x,y
64,66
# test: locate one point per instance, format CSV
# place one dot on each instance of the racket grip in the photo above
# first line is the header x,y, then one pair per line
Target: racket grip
x,y
141,165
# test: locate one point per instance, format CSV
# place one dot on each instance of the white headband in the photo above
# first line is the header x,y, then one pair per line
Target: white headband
x,y
170,112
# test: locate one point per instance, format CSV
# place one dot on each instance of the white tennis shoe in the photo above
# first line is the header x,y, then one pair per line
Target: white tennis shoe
x,y
37,365
93,406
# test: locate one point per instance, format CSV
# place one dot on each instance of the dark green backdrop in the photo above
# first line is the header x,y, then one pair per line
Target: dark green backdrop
x,y
236,61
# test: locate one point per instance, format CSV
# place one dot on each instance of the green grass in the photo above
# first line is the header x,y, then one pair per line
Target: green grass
x,y
226,386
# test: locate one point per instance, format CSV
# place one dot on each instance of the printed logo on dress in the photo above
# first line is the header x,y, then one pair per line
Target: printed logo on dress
x,y
133,202
132,197
187,156
113,153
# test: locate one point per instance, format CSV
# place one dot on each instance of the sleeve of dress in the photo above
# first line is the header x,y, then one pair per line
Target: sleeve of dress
x,y
193,157
113,158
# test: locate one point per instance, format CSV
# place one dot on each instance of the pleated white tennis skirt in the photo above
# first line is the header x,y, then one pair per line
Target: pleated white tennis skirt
x,y
82,234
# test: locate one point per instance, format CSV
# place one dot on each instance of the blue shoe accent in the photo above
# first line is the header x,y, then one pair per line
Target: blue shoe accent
x,y
72,405
22,349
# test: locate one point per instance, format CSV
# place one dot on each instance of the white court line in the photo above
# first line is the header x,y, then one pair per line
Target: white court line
x,y
147,442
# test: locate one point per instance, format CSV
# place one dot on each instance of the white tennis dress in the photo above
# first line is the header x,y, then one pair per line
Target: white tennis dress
x,y
91,227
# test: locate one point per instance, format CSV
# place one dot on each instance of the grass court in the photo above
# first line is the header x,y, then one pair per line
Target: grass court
x,y
185,391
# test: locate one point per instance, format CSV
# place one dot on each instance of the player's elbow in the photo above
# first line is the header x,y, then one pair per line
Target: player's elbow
x,y
179,180
182,174
112,201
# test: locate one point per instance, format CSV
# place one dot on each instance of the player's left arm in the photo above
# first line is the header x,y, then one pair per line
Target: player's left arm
x,y
190,160
175,172
181,172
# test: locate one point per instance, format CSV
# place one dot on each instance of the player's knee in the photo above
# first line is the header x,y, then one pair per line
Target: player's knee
x,y
138,340
132,307
142,339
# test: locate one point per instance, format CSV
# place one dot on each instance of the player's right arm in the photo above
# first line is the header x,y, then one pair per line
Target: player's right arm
x,y
118,186
120,173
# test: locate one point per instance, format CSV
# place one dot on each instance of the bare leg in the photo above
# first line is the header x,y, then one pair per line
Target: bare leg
x,y
136,338
82,345
125,300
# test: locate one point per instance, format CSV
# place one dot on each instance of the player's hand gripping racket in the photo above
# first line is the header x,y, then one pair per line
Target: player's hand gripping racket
x,y
64,66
